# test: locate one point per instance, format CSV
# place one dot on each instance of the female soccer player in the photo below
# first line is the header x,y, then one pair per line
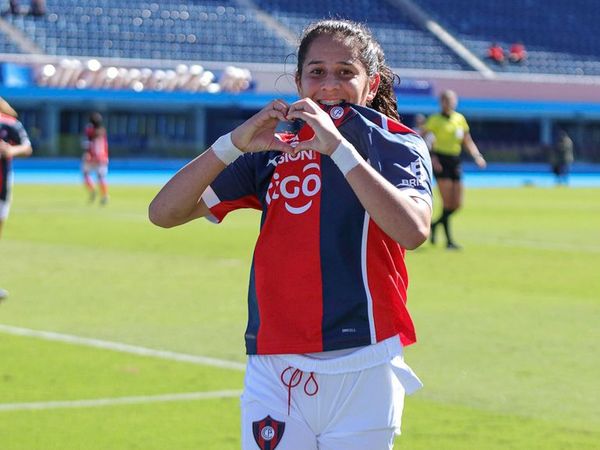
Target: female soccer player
x,y
95,158
14,141
450,133
341,201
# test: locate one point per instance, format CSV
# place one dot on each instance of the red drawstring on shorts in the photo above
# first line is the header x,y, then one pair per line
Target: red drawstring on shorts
x,y
295,379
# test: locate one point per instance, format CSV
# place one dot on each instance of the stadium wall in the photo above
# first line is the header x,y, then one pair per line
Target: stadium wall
x,y
516,124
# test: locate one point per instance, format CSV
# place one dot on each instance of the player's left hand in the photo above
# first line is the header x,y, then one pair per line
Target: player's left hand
x,y
5,148
326,138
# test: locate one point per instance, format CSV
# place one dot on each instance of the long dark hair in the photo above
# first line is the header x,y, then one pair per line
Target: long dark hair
x,y
96,119
369,54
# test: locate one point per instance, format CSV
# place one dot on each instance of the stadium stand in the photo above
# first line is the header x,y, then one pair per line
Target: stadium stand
x,y
7,46
237,31
222,30
559,35
405,45
198,31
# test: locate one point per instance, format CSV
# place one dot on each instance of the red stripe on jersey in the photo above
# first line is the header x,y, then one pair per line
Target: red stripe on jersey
x,y
221,209
287,263
388,282
397,127
10,120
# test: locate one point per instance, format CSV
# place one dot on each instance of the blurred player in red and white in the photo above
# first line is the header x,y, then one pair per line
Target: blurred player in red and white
x,y
13,142
95,157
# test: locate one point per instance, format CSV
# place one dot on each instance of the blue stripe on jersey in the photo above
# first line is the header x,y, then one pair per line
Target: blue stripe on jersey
x,y
253,316
345,312
262,171
4,182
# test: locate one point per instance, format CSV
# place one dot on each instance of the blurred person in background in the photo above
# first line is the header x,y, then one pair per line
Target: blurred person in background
x,y
419,127
13,8
561,157
38,7
451,134
14,141
326,329
496,53
517,53
95,158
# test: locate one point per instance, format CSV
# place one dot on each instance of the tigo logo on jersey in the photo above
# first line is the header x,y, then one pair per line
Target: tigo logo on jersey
x,y
268,432
296,190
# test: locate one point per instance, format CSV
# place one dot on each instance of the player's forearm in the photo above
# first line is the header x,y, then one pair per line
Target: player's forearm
x,y
20,150
401,217
473,150
179,200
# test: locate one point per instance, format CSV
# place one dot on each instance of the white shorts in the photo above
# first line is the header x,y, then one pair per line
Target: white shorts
x,y
4,209
5,204
289,409
100,168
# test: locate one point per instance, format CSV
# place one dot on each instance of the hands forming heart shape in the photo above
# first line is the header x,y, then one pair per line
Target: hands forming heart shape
x,y
261,133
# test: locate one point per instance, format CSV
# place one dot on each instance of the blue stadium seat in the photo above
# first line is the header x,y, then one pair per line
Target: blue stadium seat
x,y
559,35
403,42
7,46
118,29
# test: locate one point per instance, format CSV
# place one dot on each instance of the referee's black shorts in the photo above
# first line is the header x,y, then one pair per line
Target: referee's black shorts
x,y
451,167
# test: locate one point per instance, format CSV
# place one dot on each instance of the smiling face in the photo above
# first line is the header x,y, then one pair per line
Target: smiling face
x,y
332,73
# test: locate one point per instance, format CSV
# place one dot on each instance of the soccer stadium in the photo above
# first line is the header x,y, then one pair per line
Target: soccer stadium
x,y
118,334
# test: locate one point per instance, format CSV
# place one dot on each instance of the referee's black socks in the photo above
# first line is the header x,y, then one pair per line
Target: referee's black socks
x,y
444,220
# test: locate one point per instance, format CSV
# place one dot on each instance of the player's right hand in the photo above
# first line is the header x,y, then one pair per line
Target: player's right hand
x,y
258,132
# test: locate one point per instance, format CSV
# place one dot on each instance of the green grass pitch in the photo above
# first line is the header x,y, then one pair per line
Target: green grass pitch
x,y
508,328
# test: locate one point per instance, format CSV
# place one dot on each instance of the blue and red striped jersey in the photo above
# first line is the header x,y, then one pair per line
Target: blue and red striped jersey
x,y
324,276
13,132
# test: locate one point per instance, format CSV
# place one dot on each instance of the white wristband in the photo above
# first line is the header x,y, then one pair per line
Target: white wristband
x,y
225,150
346,157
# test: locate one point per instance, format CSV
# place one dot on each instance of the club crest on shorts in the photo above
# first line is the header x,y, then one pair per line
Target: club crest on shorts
x,y
268,432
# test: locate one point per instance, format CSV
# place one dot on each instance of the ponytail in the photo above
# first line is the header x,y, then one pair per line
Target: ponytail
x,y
385,100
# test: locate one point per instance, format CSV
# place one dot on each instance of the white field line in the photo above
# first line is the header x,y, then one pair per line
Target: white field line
x,y
99,402
120,347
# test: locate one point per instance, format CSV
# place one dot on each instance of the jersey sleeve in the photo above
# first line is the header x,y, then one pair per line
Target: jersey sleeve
x,y
234,188
395,151
403,160
89,132
21,135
